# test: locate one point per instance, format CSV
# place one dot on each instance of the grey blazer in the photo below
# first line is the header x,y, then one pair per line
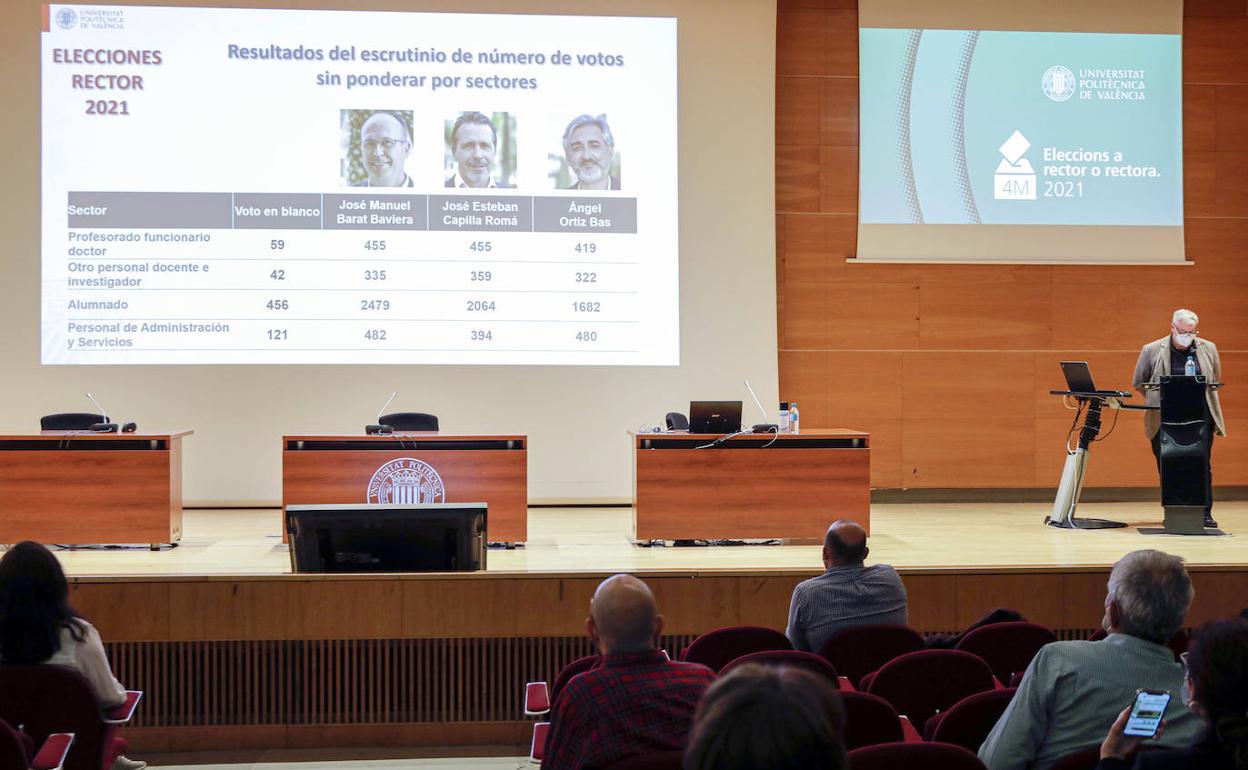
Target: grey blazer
x,y
1154,361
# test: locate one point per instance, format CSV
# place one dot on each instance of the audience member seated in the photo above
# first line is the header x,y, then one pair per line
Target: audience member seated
x,y
847,593
37,626
1072,691
768,718
635,700
1216,689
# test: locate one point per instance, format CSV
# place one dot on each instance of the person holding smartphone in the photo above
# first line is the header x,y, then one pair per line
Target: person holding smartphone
x,y
1215,688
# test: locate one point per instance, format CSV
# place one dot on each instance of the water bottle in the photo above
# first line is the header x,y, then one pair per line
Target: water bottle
x,y
1190,367
794,418
784,416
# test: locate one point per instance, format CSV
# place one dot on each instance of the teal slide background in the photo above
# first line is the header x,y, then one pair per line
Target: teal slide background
x,y
955,130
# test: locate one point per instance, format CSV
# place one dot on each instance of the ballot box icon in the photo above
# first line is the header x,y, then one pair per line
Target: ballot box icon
x,y
1015,179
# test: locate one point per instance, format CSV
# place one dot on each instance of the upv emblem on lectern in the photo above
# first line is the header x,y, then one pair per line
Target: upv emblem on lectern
x,y
406,481
1015,179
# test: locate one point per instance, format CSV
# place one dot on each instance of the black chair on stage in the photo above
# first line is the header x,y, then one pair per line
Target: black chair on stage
x,y
71,421
417,421
677,421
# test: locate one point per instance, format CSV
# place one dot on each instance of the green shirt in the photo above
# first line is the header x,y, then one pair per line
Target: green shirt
x,y
1072,693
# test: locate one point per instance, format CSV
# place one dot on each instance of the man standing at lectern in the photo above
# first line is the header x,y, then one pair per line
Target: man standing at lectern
x,y
1169,355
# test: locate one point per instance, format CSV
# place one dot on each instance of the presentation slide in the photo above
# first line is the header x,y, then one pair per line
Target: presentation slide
x,y
234,186
1063,130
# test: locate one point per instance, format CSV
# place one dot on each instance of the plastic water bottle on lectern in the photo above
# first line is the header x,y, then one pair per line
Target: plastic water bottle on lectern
x,y
1190,367
784,416
794,418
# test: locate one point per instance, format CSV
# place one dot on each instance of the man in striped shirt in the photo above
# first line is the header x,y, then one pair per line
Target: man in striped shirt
x,y
635,700
847,593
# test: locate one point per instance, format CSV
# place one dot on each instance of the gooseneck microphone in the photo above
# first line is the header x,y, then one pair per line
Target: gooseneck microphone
x,y
377,429
102,427
762,427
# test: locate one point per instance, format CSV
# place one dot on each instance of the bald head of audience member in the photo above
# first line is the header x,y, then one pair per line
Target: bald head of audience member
x,y
623,616
845,545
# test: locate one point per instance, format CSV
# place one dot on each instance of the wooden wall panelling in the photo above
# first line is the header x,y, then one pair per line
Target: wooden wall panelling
x,y
1200,169
1231,111
799,111
933,602
801,42
839,124
804,379
1223,314
1214,50
360,609
968,449
1037,596
838,179
806,251
797,178
1213,589
456,607
1199,111
842,43
871,316
764,600
698,604
124,611
554,606
994,316
1084,597
1116,313
968,419
212,610
1215,8
806,316
1217,247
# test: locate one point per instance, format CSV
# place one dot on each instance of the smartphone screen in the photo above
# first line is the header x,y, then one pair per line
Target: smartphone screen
x,y
1146,714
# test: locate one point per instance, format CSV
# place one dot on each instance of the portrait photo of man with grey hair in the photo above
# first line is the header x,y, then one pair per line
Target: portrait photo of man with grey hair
x,y
589,150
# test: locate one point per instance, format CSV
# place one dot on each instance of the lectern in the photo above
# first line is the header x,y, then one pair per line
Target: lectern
x,y
1184,457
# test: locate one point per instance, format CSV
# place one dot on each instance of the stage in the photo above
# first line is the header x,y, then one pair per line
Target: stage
x,y
234,651
946,536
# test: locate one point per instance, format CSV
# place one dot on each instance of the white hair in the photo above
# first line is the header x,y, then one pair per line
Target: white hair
x,y
1183,314
1153,593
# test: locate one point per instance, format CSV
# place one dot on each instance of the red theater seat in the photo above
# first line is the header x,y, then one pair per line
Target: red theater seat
x,y
1007,648
928,756
716,649
859,650
792,658
968,722
46,700
919,684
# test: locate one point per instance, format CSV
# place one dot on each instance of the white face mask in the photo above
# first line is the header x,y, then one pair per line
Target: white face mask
x,y
1182,340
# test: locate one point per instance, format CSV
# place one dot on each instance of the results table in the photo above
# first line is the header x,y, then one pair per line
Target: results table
x,y
353,277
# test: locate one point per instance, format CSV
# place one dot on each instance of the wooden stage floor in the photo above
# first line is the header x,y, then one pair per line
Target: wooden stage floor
x,y
911,536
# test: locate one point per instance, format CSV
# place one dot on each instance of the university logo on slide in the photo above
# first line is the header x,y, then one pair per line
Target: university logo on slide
x,y
1058,83
66,18
406,480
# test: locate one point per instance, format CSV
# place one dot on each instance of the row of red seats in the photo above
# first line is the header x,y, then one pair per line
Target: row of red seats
x,y
890,665
47,701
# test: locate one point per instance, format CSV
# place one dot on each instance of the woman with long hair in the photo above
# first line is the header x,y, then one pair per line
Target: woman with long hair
x,y
1216,690
38,626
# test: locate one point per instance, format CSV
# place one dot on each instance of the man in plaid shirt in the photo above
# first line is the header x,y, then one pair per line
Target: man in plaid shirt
x,y
635,700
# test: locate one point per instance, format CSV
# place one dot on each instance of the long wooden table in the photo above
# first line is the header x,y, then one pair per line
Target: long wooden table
x,y
416,467
81,488
749,486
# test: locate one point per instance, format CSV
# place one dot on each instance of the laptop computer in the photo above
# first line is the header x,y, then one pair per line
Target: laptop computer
x,y
1079,378
714,416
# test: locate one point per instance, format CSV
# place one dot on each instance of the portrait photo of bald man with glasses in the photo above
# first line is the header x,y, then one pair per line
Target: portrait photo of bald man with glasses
x,y
384,141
